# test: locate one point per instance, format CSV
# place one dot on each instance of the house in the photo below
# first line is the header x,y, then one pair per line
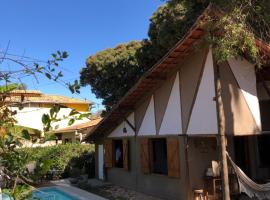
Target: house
x,y
161,137
30,105
77,132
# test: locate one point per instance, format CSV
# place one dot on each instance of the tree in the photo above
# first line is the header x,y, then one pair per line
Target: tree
x,y
112,72
13,163
107,73
167,26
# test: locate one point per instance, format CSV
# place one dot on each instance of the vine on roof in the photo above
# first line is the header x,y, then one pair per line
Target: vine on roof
x,y
234,30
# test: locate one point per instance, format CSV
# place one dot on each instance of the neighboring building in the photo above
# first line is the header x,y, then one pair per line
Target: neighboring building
x,y
76,133
161,137
32,104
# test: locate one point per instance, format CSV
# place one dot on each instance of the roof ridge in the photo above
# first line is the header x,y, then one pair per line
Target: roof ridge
x,y
67,97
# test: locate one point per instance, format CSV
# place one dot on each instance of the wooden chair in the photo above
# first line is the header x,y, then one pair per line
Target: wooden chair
x,y
199,194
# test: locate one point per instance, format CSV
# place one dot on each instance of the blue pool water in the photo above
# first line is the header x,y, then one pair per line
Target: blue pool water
x,y
6,197
52,193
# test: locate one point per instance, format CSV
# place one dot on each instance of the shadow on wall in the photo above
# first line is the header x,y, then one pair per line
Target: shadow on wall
x,y
239,121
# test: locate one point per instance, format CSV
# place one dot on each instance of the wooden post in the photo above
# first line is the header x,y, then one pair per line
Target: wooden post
x,y
222,136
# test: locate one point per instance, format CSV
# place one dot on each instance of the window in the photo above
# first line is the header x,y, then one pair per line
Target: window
x,y
118,153
67,140
159,158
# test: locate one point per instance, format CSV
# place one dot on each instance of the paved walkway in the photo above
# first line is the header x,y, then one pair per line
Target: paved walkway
x,y
65,186
93,189
114,192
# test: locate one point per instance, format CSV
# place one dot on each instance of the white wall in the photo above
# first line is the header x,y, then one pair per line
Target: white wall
x,y
71,136
245,75
148,126
204,116
118,131
31,117
172,121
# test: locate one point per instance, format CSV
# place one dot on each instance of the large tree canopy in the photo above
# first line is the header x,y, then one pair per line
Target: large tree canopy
x,y
111,72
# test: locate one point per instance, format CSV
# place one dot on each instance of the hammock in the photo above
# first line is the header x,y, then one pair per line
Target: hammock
x,y
249,187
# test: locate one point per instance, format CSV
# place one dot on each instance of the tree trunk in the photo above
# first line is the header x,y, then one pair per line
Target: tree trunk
x,y
221,134
15,184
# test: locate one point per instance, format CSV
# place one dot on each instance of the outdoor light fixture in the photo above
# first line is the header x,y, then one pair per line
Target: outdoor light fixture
x,y
124,129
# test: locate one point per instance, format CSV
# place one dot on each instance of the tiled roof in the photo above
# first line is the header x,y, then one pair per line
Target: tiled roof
x,y
85,125
35,96
25,92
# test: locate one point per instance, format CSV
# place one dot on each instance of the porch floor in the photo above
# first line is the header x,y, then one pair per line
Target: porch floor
x,y
113,192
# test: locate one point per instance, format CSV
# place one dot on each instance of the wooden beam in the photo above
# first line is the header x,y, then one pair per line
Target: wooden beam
x,y
157,77
130,125
126,107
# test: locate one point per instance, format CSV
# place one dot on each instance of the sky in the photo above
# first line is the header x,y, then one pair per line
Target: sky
x,y
36,29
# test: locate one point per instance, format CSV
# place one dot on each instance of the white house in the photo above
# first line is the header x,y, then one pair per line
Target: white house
x,y
32,104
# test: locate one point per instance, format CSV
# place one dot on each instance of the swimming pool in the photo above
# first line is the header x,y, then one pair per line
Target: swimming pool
x,y
6,197
52,193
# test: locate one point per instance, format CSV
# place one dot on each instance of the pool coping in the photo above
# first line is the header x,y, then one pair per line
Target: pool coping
x,y
75,192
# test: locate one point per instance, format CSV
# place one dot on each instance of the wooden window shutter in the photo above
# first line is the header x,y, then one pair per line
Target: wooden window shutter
x,y
108,146
145,156
173,157
125,154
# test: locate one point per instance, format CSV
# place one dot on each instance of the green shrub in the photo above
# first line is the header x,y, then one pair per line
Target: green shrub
x,y
21,192
60,159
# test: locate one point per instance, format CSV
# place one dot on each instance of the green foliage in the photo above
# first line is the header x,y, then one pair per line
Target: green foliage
x,y
234,33
10,87
21,192
50,71
167,26
235,39
112,72
14,160
21,131
75,87
43,166
50,119
53,157
107,72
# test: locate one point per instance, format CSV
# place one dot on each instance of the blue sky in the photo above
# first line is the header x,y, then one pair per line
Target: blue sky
x,y
37,28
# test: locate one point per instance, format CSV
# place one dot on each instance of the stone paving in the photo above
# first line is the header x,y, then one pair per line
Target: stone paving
x,y
113,192
99,190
